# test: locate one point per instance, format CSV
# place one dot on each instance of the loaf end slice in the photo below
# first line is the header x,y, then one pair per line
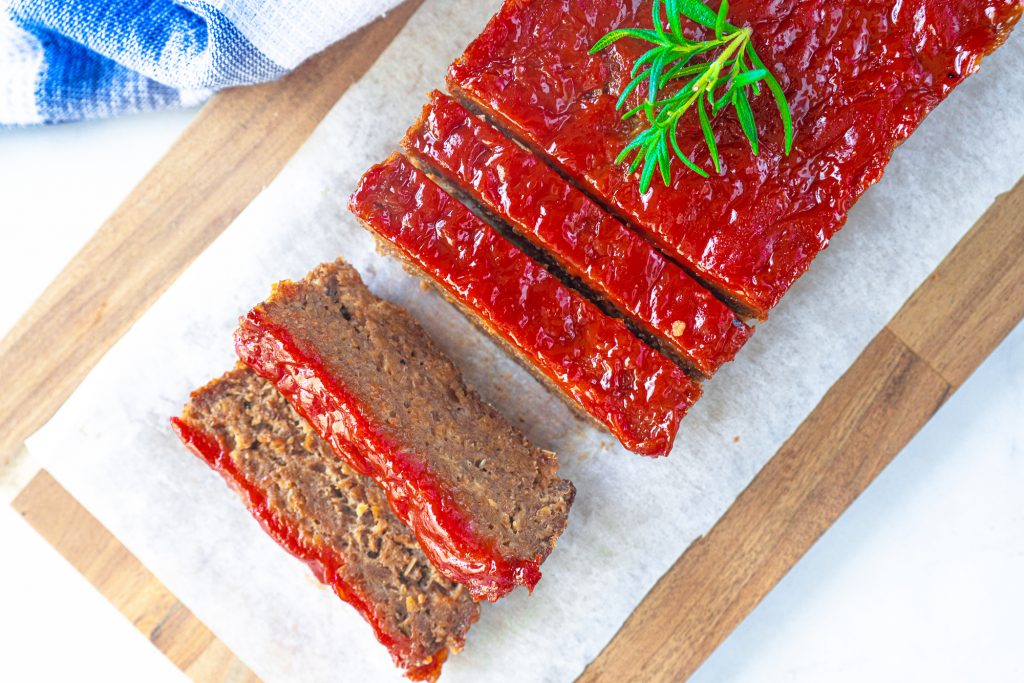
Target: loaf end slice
x,y
331,517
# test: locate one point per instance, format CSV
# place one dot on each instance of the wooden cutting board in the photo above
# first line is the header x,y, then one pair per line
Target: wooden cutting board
x,y
237,145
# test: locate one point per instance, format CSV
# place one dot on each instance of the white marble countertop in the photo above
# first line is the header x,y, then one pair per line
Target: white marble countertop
x,y
919,580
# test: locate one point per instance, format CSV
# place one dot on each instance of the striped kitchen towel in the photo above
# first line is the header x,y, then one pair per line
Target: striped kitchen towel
x,y
66,60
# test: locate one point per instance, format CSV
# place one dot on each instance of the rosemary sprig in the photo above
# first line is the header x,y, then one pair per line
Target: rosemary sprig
x,y
716,73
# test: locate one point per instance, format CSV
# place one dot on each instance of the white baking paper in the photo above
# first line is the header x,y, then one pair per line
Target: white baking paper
x,y
111,447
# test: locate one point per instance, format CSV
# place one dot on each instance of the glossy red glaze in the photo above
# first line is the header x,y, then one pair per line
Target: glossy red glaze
x,y
629,387
321,559
860,75
618,264
421,500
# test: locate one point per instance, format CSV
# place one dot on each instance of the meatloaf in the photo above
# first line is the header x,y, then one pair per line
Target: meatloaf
x,y
860,75
485,505
323,512
633,390
621,268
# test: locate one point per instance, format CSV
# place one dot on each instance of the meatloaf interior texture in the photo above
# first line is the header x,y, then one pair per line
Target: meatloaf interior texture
x,y
616,266
630,388
859,75
486,506
325,513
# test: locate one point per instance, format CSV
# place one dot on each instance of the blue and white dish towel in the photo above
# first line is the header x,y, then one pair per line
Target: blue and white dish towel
x,y
67,60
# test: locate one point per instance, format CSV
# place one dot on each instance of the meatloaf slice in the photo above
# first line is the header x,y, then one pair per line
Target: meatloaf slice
x,y
485,505
860,76
635,392
617,265
326,514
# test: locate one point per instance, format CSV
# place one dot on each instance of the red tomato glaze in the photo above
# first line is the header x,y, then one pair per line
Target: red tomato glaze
x,y
637,393
324,563
511,183
860,75
422,501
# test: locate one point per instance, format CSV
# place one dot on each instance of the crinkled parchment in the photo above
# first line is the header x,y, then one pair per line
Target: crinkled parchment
x,y
111,447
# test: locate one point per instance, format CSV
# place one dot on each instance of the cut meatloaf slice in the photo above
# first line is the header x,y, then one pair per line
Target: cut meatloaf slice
x,y
485,505
326,514
635,392
619,266
860,75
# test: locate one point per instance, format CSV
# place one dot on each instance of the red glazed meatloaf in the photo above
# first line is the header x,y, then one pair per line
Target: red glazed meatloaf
x,y
860,75
485,505
635,392
326,514
619,266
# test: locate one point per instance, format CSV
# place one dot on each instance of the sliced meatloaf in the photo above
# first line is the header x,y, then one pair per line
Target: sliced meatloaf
x,y
617,265
633,390
486,506
323,512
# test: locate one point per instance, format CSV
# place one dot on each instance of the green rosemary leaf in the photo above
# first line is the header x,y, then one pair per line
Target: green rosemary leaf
x,y
659,24
635,144
749,78
709,135
633,112
640,139
650,164
721,103
679,153
780,98
672,63
654,73
636,161
645,58
633,84
618,34
674,20
723,12
746,116
663,160
698,12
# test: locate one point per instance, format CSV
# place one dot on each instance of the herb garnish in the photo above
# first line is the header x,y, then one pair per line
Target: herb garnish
x,y
729,78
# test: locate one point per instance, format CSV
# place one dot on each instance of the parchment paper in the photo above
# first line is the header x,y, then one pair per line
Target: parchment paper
x,y
111,446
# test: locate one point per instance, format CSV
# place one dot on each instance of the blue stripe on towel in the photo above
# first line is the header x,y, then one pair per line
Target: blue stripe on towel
x,y
188,44
79,84
107,57
63,60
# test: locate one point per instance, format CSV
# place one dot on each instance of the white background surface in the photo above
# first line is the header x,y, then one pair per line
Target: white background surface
x,y
919,581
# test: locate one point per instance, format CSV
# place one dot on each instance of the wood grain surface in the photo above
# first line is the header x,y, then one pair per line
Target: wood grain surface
x,y
237,144
954,321
928,350
975,298
128,585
